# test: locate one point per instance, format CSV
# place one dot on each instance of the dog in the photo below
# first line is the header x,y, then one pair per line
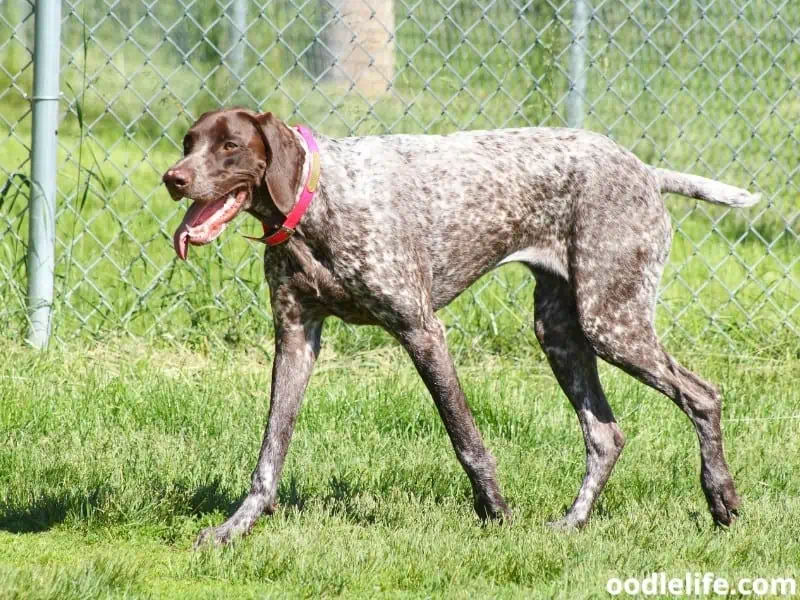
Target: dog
x,y
386,230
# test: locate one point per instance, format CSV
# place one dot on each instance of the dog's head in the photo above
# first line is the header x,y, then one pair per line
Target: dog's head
x,y
234,160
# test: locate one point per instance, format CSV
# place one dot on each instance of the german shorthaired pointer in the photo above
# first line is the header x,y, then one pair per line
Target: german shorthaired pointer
x,y
387,230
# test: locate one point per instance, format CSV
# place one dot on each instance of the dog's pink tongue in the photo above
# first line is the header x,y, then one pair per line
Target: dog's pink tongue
x,y
180,240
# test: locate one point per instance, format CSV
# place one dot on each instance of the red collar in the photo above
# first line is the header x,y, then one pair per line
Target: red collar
x,y
309,191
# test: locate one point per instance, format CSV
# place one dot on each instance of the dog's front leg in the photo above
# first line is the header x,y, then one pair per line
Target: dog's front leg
x,y
427,347
296,349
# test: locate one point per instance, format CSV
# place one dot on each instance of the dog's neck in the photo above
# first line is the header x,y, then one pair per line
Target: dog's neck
x,y
264,208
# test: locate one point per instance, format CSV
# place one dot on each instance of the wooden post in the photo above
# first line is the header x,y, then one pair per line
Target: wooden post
x,y
359,36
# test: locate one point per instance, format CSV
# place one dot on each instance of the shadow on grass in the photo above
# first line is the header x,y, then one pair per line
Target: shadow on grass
x,y
211,498
341,498
344,498
208,498
49,510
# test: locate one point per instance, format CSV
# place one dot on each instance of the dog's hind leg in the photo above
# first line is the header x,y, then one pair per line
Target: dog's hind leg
x,y
575,366
616,282
643,356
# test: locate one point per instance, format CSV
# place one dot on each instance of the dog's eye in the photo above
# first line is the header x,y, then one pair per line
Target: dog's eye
x,y
230,146
187,146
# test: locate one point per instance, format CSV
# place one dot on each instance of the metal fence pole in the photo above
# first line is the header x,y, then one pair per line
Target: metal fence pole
x,y
42,208
239,20
577,70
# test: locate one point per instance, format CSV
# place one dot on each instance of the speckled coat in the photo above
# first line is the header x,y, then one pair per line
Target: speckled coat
x,y
403,224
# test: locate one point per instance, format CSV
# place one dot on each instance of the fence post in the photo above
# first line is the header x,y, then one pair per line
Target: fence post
x,y
360,39
239,20
577,70
42,207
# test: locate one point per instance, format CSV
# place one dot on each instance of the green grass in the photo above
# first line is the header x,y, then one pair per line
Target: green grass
x,y
113,457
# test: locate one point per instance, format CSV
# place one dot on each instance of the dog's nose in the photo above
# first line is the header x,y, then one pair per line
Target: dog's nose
x,y
176,179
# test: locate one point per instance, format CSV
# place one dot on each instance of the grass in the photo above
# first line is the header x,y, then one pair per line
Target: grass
x,y
113,457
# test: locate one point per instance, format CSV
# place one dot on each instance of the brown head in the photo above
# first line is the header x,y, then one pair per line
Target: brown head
x,y
234,160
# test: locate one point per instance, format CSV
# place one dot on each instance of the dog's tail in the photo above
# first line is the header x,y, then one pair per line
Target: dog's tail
x,y
701,188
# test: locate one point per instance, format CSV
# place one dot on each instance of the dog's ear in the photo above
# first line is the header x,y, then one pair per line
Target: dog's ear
x,y
284,157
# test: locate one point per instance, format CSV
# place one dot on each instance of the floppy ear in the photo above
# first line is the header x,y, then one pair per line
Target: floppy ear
x,y
284,160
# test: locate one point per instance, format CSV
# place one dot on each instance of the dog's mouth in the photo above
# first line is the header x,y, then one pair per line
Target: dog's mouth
x,y
205,221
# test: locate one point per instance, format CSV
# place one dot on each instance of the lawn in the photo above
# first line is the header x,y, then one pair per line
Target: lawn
x,y
113,457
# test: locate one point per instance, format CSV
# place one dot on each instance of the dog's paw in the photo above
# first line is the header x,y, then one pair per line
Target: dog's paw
x,y
566,524
724,503
213,537
493,510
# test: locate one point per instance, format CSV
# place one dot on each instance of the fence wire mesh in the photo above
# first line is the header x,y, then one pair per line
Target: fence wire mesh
x,y
703,86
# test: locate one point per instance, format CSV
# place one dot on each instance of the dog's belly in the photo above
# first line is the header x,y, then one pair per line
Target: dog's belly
x,y
527,233
544,258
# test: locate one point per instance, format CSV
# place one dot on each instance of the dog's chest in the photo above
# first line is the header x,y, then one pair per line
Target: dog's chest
x,y
316,285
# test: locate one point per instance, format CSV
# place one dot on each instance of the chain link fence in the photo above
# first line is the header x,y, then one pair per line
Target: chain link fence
x,y
704,86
